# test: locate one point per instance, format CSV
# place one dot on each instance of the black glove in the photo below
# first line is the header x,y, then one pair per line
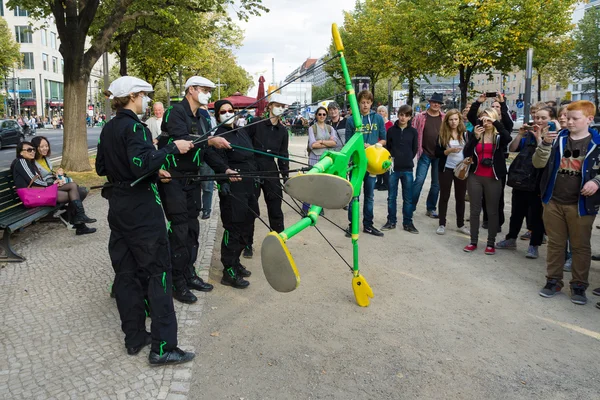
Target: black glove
x,y
225,189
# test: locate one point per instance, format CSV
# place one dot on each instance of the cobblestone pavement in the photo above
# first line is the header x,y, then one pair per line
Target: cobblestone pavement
x,y
60,333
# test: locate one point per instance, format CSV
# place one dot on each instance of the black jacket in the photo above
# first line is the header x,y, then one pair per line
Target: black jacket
x,y
439,152
502,139
24,171
504,115
402,145
272,139
179,123
125,150
237,159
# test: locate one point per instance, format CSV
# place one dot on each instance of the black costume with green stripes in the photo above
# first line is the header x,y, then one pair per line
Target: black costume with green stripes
x,y
182,196
138,244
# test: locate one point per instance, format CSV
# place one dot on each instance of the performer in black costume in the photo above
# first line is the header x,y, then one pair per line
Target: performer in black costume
x,y
271,137
237,199
182,197
138,245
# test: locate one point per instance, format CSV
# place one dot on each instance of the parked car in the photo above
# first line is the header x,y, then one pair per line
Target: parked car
x,y
10,132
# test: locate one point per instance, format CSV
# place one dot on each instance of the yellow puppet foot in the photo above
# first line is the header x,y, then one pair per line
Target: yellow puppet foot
x,y
362,290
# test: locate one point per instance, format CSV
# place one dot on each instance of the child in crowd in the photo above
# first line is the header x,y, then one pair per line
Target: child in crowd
x,y
402,143
449,151
569,188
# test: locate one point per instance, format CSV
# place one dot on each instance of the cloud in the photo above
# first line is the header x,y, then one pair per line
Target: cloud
x,y
290,33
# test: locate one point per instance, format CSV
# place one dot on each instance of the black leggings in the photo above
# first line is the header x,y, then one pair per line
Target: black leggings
x,y
67,193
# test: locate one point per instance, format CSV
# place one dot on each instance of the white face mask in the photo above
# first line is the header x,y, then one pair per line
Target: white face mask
x,y
203,98
227,118
277,111
145,102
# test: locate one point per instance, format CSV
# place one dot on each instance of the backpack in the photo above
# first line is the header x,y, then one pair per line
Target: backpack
x,y
522,175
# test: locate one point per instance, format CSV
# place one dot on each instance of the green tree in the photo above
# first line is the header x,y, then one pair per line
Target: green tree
x,y
73,21
9,50
480,35
587,48
330,88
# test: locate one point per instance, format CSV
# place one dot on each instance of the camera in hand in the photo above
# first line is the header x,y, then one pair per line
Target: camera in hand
x,y
491,94
487,162
551,127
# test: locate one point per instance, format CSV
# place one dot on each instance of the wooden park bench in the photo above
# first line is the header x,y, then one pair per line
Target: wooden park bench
x,y
14,216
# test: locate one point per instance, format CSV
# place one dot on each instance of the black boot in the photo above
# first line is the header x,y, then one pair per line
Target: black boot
x,y
231,278
196,283
248,252
80,217
184,295
242,271
82,229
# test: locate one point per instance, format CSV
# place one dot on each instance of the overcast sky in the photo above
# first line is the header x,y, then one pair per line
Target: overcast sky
x,y
292,31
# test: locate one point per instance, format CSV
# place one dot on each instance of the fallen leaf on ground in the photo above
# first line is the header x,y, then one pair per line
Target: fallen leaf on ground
x,y
214,334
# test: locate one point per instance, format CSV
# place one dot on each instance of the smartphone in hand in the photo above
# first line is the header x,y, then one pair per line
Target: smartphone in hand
x,y
491,94
551,127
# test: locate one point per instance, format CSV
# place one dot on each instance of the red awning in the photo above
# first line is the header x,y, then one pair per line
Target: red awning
x,y
238,100
55,103
29,103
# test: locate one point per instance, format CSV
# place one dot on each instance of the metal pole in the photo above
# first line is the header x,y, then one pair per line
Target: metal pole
x,y
106,100
168,92
42,114
528,76
389,98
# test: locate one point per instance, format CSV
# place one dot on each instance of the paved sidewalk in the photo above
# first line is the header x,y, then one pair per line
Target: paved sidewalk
x,y
60,333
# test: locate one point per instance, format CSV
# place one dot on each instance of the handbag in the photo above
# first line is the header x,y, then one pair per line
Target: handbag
x,y
38,196
461,171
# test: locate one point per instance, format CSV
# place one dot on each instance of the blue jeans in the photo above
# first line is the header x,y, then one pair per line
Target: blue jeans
x,y
369,199
406,178
434,191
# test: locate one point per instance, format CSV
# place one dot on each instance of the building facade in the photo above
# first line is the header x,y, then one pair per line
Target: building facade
x,y
36,85
316,76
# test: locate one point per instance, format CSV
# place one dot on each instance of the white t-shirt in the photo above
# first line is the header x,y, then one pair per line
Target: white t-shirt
x,y
454,158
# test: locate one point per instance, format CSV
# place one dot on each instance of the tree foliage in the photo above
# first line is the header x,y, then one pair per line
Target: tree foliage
x,y
587,47
74,20
330,88
9,50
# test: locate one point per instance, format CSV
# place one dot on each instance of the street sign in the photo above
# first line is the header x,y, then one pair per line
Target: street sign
x,y
520,104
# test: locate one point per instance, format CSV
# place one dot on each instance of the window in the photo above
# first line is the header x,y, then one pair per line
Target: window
x,y
45,61
55,65
514,77
23,34
53,40
44,34
1,8
21,12
62,66
27,60
53,90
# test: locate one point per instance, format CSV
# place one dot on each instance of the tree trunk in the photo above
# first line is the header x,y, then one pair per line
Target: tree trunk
x,y
596,89
123,53
75,155
539,86
411,90
462,86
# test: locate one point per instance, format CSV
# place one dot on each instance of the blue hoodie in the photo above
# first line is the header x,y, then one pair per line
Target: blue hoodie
x,y
373,125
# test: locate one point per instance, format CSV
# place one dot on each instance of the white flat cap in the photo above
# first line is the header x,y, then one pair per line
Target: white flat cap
x,y
124,85
278,98
199,81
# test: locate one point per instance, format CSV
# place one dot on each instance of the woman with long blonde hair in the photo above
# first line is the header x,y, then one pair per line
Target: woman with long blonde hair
x,y
449,150
485,146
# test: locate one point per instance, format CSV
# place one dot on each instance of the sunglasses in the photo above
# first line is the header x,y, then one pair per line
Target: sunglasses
x,y
29,150
321,115
223,112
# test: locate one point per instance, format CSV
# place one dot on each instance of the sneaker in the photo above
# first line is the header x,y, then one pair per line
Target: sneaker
x,y
578,295
596,257
470,247
371,230
410,228
388,226
596,292
464,230
248,252
490,250
568,265
545,239
432,214
552,288
441,230
484,225
507,244
349,231
526,236
532,252
598,305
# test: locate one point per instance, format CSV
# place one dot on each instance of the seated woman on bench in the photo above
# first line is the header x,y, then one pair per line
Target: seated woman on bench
x,y
25,171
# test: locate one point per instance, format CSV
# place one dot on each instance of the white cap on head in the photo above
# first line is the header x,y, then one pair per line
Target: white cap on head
x,y
124,85
278,98
199,81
